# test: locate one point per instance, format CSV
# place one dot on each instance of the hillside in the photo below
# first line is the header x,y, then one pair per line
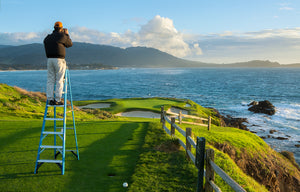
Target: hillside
x,y
92,56
138,147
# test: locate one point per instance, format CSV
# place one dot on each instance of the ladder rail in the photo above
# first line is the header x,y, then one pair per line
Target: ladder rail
x,y
72,108
41,138
65,120
54,129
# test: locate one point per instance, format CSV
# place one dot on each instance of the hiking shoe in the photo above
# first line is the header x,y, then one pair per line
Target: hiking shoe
x,y
52,102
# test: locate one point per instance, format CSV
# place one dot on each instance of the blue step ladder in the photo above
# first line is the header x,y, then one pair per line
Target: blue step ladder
x,y
48,139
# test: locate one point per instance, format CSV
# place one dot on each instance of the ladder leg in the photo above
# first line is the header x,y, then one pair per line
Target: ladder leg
x,y
74,127
55,131
41,139
64,122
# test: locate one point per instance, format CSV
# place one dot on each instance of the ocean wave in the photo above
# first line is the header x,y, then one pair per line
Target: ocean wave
x,y
289,112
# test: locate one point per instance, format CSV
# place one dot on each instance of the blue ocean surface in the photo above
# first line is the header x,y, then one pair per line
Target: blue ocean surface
x,y
228,90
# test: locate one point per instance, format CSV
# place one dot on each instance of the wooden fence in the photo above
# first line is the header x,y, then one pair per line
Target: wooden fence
x,y
202,157
180,116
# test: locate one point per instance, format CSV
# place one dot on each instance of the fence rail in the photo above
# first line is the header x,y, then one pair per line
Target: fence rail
x,y
180,116
202,157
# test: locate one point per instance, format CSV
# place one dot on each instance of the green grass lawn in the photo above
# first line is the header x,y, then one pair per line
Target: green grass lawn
x,y
108,155
111,152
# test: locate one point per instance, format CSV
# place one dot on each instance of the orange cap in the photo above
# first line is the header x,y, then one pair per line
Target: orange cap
x,y
58,24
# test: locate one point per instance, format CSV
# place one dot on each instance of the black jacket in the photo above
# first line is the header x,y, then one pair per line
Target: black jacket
x,y
55,44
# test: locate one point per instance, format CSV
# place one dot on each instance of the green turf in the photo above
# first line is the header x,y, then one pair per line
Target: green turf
x,y
160,170
108,155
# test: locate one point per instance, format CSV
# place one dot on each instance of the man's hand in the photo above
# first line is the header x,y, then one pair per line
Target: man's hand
x,y
66,31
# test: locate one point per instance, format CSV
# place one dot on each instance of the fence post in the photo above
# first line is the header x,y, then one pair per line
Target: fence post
x,y
163,120
200,153
209,123
188,145
172,126
210,174
162,109
180,117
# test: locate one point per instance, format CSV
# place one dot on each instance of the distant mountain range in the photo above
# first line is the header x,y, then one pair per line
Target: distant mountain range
x,y
92,56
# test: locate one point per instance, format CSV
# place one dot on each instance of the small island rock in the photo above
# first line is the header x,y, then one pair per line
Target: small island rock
x,y
262,107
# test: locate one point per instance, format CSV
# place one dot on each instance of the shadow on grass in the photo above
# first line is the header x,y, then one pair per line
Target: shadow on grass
x,y
160,170
108,162
18,149
13,138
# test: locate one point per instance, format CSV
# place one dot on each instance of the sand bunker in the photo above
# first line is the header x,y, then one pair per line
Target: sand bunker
x,y
95,106
144,114
176,110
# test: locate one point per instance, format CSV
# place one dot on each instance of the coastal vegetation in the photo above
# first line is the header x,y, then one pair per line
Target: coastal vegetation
x,y
115,149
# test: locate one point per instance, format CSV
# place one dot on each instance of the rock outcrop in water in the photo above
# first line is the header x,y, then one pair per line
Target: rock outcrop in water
x,y
229,121
262,107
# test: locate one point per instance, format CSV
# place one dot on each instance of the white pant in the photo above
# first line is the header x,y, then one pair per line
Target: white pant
x,y
56,72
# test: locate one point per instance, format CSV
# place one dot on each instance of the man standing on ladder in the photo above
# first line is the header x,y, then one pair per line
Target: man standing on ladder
x,y
55,44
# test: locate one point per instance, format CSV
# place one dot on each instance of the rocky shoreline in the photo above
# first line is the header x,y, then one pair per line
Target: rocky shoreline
x,y
265,107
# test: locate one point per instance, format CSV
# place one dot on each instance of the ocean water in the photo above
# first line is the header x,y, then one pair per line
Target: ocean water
x,y
227,90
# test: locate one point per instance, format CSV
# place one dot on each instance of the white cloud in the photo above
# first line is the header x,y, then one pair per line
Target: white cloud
x,y
158,33
161,34
19,38
198,50
277,45
286,8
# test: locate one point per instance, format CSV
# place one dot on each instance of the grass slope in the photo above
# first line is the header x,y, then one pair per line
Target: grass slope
x,y
162,166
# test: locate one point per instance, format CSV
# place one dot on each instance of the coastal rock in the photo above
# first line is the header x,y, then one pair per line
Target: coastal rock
x,y
297,145
253,103
262,107
228,121
272,131
236,122
280,138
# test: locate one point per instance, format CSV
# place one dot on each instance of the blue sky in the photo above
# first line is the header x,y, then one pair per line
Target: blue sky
x,y
219,31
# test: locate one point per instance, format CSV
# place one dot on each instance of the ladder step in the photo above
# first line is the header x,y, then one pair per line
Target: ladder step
x,y
51,146
66,127
49,161
58,105
55,105
52,133
54,119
